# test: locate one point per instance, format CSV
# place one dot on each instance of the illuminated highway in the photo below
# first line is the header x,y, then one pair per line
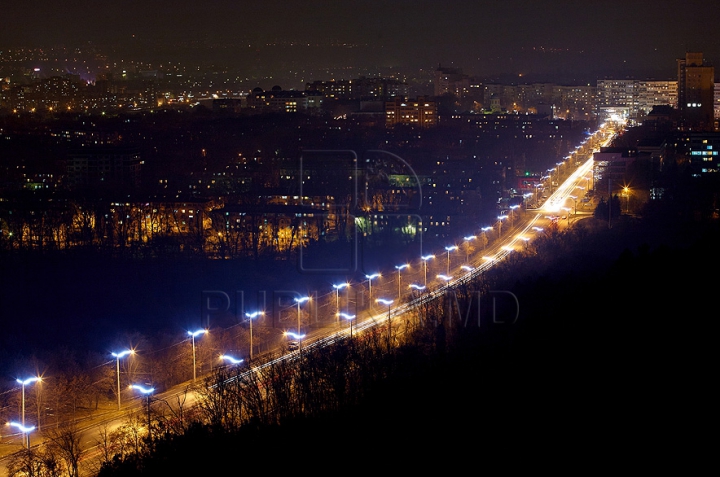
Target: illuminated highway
x,y
524,226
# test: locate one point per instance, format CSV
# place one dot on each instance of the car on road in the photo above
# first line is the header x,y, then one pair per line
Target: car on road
x,y
293,345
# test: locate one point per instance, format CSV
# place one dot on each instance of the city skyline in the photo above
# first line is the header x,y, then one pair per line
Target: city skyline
x,y
546,40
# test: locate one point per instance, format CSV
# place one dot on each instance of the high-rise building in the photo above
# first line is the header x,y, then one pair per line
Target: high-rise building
x,y
696,84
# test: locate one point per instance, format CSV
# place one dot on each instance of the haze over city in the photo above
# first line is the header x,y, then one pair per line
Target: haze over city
x,y
560,41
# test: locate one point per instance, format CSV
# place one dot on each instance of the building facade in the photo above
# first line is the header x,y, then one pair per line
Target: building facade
x,y
696,90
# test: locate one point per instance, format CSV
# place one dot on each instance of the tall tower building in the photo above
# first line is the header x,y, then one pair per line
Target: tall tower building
x,y
696,84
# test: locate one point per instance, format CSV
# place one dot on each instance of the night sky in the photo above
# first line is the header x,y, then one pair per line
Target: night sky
x,y
483,37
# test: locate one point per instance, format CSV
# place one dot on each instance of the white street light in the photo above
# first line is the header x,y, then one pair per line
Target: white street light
x,y
389,303
296,336
24,383
25,431
232,360
147,392
250,317
447,278
193,334
122,354
512,215
574,199
370,279
425,258
299,300
467,245
500,219
350,318
449,249
484,231
337,297
400,267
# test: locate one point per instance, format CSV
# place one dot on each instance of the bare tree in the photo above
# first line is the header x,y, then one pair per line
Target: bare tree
x,y
65,442
33,463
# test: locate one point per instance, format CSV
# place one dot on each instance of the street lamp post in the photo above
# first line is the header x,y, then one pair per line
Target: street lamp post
x,y
484,230
449,249
193,334
500,219
526,196
299,300
370,279
25,432
337,298
122,354
467,245
147,392
550,171
574,199
400,267
350,318
298,337
250,317
24,383
512,214
425,258
389,303
626,190
232,360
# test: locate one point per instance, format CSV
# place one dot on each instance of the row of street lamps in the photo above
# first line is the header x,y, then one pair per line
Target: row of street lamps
x,y
298,300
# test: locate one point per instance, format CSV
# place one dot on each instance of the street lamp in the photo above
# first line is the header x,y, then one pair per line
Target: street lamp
x,y
299,300
193,334
25,431
449,249
349,318
500,219
370,279
626,190
526,196
512,214
425,258
337,297
122,354
389,303
24,383
250,317
147,392
467,245
550,176
467,268
567,213
400,267
296,336
416,287
232,360
447,278
485,230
